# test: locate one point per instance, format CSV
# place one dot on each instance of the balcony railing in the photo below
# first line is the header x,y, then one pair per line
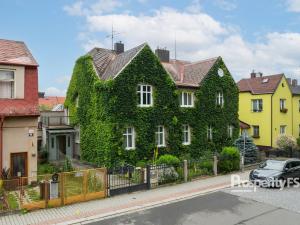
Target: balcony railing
x,y
55,121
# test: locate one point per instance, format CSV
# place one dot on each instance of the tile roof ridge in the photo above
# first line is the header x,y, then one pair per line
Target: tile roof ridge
x,y
204,60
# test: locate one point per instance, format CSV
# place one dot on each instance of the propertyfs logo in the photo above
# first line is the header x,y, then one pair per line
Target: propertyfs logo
x,y
241,185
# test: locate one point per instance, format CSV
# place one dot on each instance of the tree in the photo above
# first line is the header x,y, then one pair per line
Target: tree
x,y
248,148
287,143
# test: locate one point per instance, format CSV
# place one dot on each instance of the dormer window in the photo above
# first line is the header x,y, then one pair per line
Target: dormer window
x,y
7,84
220,99
186,99
144,95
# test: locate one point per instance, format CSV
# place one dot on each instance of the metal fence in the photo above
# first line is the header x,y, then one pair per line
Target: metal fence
x,y
200,168
53,190
164,174
126,179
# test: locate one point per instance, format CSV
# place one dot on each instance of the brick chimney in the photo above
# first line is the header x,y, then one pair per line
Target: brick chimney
x,y
119,47
294,82
163,54
253,74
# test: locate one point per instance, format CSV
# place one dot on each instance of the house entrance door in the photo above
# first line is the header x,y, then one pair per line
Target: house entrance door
x,y
61,146
19,164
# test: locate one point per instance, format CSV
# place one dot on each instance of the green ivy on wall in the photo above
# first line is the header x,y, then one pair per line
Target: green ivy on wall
x,y
106,107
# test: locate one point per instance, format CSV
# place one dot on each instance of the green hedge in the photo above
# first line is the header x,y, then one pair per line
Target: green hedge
x,y
229,159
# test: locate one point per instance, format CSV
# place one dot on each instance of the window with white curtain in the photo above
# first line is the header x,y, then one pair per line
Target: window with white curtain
x,y
7,84
144,95
186,134
230,131
220,99
129,138
186,99
160,136
209,133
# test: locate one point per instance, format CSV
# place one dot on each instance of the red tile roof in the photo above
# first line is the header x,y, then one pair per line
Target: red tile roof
x,y
18,108
50,102
244,125
260,85
189,74
15,53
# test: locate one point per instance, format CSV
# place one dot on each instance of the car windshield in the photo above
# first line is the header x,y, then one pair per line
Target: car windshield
x,y
272,165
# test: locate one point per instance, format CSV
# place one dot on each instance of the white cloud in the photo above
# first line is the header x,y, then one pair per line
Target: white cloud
x,y
199,36
63,79
96,7
53,91
293,5
225,5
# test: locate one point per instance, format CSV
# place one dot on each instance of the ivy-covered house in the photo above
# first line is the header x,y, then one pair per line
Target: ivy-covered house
x,y
126,104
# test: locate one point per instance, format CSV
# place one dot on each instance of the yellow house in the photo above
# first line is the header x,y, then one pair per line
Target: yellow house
x,y
267,108
296,106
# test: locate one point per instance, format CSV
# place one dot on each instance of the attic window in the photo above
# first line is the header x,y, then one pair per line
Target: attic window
x,y
265,80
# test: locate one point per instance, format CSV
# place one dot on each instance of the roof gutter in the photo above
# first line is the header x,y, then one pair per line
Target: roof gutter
x,y
1,141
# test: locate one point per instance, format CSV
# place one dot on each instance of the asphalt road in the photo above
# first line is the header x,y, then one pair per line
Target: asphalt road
x,y
215,208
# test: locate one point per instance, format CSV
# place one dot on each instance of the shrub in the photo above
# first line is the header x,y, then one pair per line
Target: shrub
x,y
229,159
47,169
141,164
43,156
67,165
168,160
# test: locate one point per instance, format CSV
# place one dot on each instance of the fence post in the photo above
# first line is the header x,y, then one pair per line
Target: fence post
x,y
62,191
185,170
215,167
148,177
46,193
242,162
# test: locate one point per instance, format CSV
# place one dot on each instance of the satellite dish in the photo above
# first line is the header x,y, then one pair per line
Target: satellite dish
x,y
220,72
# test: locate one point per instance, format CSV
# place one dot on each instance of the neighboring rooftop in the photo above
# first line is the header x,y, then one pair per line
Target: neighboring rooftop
x,y
294,86
259,84
51,102
15,53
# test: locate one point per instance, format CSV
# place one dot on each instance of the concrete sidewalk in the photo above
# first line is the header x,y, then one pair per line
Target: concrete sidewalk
x,y
93,210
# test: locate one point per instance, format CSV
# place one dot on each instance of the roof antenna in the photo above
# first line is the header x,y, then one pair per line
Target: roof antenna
x,y
113,35
175,46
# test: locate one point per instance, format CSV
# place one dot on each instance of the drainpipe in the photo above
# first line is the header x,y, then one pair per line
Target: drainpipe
x,y
1,141
272,120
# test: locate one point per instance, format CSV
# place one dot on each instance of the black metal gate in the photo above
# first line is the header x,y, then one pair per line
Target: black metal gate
x,y
126,179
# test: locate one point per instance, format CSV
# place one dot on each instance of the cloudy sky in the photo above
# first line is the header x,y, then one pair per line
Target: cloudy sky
x,y
263,35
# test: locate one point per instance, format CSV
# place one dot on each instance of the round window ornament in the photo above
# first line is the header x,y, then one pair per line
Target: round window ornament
x,y
220,72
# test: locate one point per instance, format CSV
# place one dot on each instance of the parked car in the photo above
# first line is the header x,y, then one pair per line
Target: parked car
x,y
276,173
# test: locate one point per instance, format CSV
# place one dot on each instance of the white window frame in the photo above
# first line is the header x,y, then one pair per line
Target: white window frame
x,y
209,133
282,129
128,135
282,103
77,101
256,103
160,130
188,94
141,92
230,131
186,130
258,129
220,99
13,91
